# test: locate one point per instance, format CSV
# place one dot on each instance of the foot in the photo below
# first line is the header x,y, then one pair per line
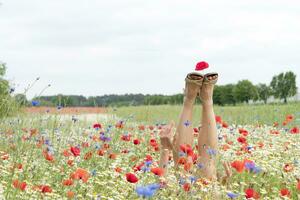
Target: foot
x,y
191,89
165,136
206,94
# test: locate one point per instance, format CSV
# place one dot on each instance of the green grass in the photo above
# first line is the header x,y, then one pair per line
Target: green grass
x,y
242,114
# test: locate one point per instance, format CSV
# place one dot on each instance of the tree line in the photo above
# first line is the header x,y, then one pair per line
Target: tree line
x,y
281,87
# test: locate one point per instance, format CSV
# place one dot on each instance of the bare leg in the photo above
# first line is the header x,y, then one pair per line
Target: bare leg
x,y
207,139
184,130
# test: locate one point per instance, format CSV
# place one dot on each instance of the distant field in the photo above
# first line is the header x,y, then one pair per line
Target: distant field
x,y
244,114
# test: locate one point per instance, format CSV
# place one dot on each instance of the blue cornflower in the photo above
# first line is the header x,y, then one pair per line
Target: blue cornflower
x,y
104,138
187,123
181,154
35,103
249,147
47,142
93,172
200,165
148,163
145,169
256,170
193,179
148,190
97,146
181,181
211,152
232,195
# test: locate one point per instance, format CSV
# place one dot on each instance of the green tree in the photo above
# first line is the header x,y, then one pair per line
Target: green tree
x,y
264,92
244,91
284,85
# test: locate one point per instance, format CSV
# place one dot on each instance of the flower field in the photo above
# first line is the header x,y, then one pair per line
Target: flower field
x,y
49,157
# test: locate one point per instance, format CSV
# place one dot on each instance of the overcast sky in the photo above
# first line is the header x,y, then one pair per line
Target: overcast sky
x,y
97,47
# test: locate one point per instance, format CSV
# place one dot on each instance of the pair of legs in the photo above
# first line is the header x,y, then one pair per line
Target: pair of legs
x,y
207,137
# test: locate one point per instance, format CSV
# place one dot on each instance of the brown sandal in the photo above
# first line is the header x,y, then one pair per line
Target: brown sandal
x,y
212,81
190,78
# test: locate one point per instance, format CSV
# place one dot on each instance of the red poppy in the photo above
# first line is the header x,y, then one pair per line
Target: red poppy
x,y
70,194
288,167
19,185
85,144
75,151
126,137
218,119
182,160
66,153
251,193
285,192
80,174
136,141
275,124
45,189
187,166
298,185
201,65
186,148
118,169
157,171
88,155
242,140
186,187
295,130
131,178
48,156
100,152
97,125
244,132
289,118
112,156
148,158
70,162
238,165
224,125
153,143
151,127
138,167
141,127
67,182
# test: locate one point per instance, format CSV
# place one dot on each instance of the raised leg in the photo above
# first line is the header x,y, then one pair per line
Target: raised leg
x,y
207,139
184,130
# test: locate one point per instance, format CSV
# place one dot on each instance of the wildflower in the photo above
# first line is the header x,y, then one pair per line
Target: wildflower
x,y
288,167
67,182
186,187
75,151
251,193
88,155
48,156
201,65
238,165
187,123
136,141
97,126
211,152
295,130
80,174
35,103
157,171
298,185
118,169
218,119
232,195
147,191
19,185
70,194
242,140
45,189
285,192
131,178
